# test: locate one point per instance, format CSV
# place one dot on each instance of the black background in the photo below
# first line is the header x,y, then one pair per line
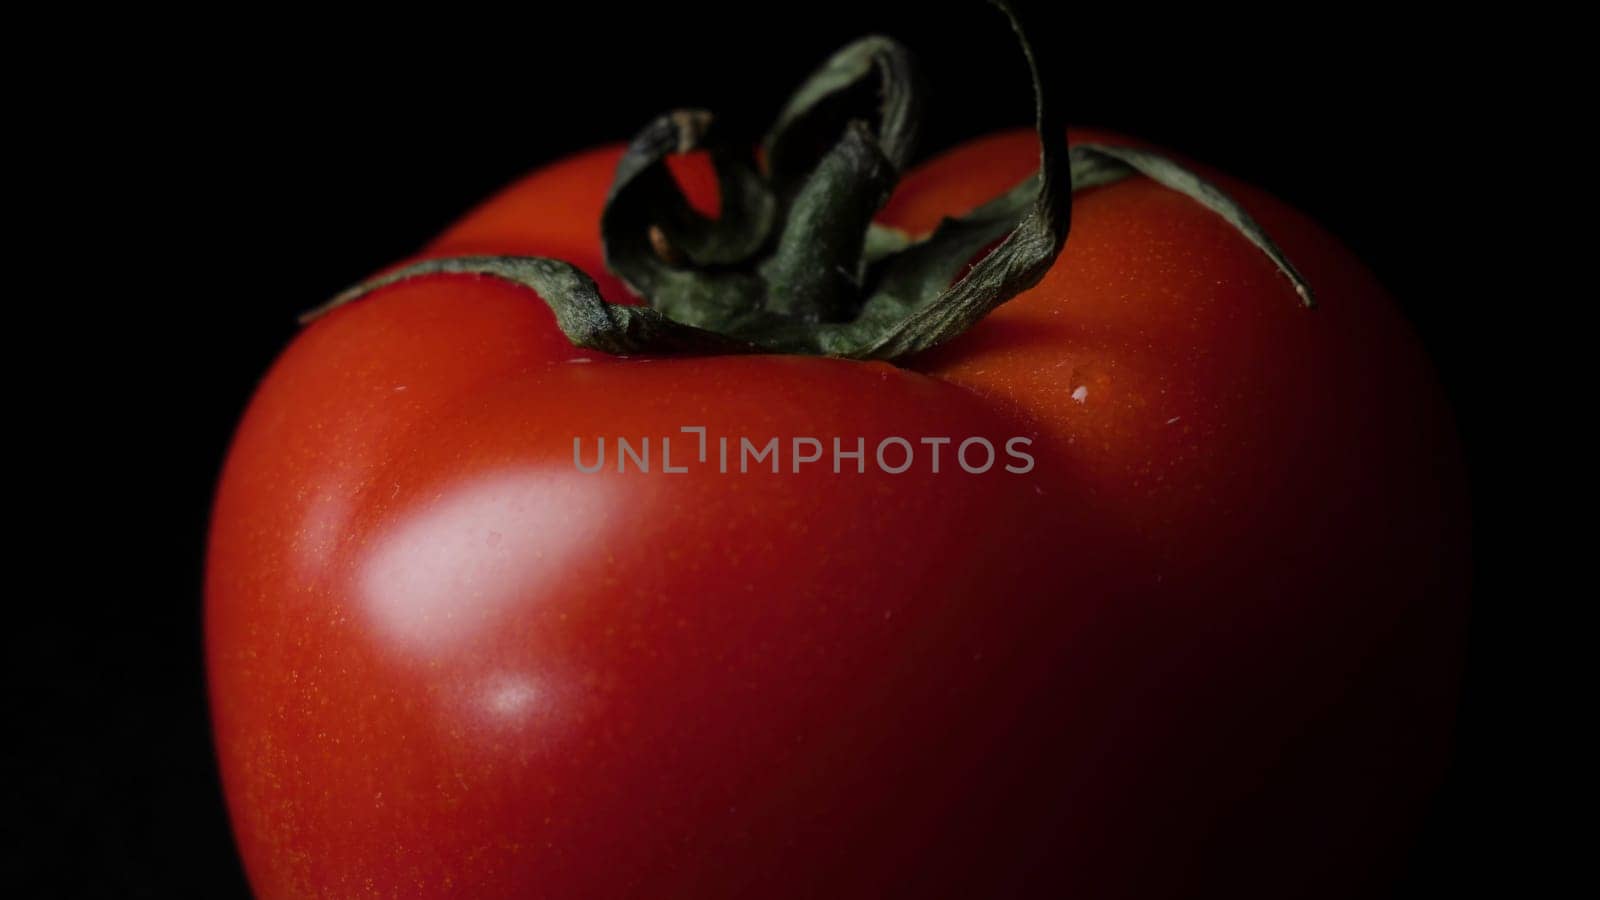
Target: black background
x,y
263,169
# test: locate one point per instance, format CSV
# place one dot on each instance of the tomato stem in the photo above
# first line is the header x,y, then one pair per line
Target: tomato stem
x,y
816,272
794,263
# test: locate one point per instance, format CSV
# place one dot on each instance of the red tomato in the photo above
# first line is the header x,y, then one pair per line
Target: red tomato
x,y
1207,645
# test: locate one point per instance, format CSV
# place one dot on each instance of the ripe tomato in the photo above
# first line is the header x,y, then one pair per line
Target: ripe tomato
x,y
1208,643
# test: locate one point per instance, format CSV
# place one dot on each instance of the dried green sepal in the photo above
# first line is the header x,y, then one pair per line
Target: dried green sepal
x,y
793,263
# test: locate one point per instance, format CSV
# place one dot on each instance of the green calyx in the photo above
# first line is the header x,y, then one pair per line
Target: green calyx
x,y
794,263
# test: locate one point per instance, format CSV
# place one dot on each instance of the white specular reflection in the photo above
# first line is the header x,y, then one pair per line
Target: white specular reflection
x,y
458,565
321,529
512,698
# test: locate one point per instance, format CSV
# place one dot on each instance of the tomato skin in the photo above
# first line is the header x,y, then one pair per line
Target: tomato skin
x,y
1222,657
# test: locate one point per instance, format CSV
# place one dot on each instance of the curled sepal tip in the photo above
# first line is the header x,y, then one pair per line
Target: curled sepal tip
x,y
1097,164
